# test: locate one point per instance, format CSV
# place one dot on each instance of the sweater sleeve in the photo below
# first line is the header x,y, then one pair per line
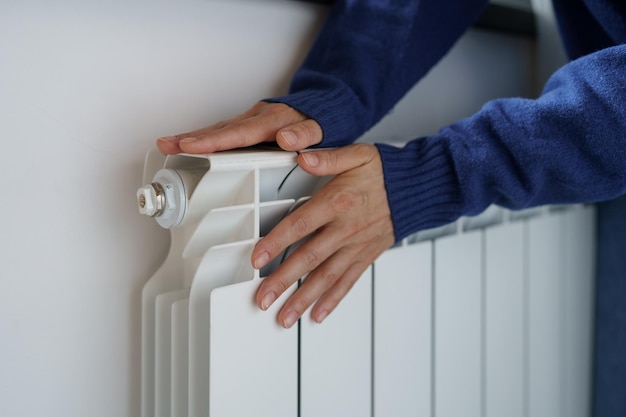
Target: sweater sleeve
x,y
368,54
567,146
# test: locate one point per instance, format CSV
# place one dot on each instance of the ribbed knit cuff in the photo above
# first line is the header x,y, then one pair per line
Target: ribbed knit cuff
x,y
338,111
422,187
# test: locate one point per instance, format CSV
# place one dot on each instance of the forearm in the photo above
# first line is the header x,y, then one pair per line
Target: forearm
x,y
567,146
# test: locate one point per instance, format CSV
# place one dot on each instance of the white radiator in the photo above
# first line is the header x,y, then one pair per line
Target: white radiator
x,y
490,316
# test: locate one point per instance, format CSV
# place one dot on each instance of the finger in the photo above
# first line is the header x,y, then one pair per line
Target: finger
x,y
247,131
169,145
336,276
302,222
327,303
311,254
336,161
237,135
317,283
297,265
299,136
332,201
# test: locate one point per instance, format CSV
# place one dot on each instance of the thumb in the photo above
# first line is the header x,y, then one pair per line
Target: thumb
x,y
336,161
299,135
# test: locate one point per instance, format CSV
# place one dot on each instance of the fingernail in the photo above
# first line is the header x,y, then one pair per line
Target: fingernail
x,y
289,137
268,299
311,159
168,139
189,139
261,260
290,319
321,316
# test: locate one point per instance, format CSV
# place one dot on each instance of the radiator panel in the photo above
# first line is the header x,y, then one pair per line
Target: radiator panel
x,y
336,357
163,350
488,316
180,358
403,331
545,346
458,325
579,310
253,360
221,266
504,320
166,279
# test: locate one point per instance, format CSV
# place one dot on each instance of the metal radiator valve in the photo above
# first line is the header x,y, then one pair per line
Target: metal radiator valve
x,y
165,198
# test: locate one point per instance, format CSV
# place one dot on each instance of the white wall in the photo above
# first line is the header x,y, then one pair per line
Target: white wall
x,y
85,88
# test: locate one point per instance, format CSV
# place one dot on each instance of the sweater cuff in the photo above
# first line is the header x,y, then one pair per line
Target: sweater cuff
x,y
422,187
338,111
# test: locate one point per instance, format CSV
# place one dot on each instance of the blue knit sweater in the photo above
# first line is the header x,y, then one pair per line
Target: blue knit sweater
x,y
566,146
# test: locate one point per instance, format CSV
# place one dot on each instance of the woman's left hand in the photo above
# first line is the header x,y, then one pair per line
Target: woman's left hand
x,y
349,223
263,122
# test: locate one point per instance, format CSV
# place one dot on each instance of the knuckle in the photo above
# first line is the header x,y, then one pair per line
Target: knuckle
x,y
272,109
344,288
242,125
300,226
221,124
183,135
363,151
340,289
258,107
331,159
305,131
244,133
280,284
274,246
310,259
328,277
300,304
277,111
343,201
356,226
